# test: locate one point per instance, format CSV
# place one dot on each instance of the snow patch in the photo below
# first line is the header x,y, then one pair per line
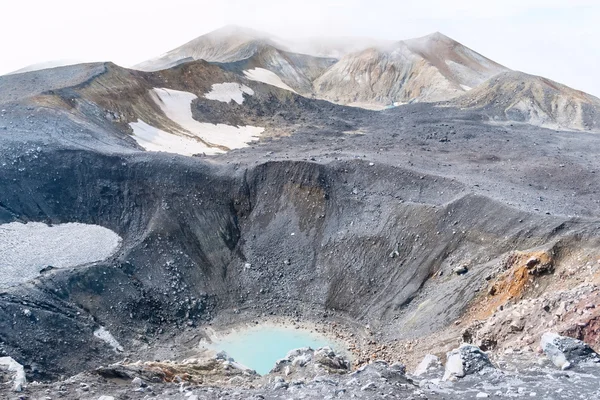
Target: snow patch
x,y
189,136
228,91
154,139
268,77
103,334
25,249
466,88
18,371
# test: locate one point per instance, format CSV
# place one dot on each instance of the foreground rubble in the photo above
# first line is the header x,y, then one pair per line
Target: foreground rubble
x,y
321,374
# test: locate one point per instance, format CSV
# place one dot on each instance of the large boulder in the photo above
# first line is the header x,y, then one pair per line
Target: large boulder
x,y
566,352
465,360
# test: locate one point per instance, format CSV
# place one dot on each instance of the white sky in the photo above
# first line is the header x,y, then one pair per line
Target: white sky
x,y
558,39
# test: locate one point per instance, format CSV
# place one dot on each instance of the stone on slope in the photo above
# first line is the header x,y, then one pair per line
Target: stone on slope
x,y
465,360
566,352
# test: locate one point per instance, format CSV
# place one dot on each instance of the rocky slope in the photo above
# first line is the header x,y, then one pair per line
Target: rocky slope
x,y
296,71
519,97
379,74
363,72
430,69
456,62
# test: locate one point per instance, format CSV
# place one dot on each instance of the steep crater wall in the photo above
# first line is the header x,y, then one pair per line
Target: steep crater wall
x,y
360,241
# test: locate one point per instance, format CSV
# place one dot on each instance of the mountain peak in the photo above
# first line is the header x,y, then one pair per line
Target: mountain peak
x,y
437,35
432,38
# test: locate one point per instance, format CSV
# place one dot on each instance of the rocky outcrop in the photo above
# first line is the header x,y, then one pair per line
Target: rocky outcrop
x,y
503,320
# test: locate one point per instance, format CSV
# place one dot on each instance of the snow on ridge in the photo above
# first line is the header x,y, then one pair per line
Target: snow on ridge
x,y
266,76
195,137
228,91
103,334
60,246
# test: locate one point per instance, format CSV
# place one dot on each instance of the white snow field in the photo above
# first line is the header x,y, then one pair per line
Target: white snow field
x,y
154,139
228,91
194,137
266,76
25,249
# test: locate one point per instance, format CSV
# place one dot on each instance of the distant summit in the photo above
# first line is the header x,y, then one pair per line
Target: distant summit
x,y
228,44
520,97
351,71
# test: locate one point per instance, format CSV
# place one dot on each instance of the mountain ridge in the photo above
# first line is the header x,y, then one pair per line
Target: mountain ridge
x,y
443,67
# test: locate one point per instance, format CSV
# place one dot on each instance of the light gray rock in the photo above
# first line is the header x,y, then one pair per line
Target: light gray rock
x,y
430,365
137,382
280,385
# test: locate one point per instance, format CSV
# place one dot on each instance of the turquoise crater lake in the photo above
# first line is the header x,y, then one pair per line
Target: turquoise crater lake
x,y
260,347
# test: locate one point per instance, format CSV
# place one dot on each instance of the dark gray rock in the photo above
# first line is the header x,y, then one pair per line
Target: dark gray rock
x,y
465,360
566,352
